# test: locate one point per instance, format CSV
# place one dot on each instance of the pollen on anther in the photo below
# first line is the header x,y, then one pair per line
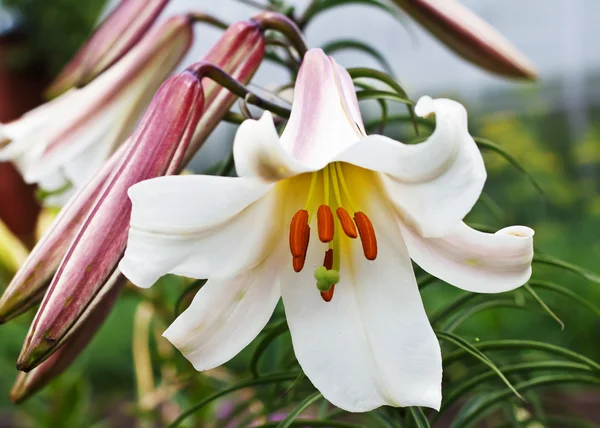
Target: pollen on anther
x,y
298,231
328,259
325,223
367,235
347,224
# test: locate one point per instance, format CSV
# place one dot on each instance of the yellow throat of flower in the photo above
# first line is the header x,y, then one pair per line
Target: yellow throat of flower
x,y
348,220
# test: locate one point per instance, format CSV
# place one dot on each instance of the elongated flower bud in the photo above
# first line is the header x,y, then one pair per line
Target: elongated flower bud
x,y
27,384
157,148
68,139
117,34
30,282
469,36
239,52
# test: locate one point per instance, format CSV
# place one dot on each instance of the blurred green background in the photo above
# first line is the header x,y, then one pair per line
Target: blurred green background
x,y
100,389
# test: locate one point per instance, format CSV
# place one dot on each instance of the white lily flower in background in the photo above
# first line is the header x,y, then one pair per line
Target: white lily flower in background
x,y
329,219
66,140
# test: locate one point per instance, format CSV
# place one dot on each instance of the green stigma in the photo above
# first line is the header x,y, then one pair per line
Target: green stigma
x,y
326,278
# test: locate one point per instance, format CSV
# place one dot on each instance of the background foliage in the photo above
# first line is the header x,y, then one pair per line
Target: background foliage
x,y
100,389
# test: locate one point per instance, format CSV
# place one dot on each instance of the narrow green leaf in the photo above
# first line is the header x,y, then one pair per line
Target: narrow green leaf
x,y
426,280
370,125
487,144
194,286
343,44
264,343
313,423
469,348
544,305
565,292
455,322
471,383
274,378
553,261
418,417
494,209
305,404
382,104
368,94
511,345
482,408
449,309
317,7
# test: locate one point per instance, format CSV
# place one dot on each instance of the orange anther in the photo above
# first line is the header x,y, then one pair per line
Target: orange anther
x,y
298,228
347,224
328,260
328,295
325,223
367,235
298,262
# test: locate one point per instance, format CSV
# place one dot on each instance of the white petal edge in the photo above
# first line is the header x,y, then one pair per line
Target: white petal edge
x,y
226,315
433,184
475,261
372,345
198,226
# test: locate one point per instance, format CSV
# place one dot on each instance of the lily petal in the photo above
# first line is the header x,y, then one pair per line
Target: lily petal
x,y
258,153
372,344
433,184
321,123
473,260
226,315
192,226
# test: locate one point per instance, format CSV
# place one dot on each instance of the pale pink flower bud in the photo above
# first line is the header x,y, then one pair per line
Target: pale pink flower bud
x,y
157,148
116,35
27,384
469,36
66,140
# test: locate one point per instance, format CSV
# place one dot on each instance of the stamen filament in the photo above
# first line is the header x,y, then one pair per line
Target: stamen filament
x,y
326,184
311,190
336,186
367,235
340,174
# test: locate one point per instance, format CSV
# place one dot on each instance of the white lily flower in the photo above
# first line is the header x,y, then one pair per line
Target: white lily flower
x,y
66,140
353,210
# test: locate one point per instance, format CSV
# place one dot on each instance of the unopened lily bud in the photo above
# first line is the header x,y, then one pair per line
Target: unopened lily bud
x,y
115,36
157,148
30,282
238,52
27,384
65,141
469,36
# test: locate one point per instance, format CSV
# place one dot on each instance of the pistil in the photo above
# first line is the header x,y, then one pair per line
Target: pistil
x,y
353,223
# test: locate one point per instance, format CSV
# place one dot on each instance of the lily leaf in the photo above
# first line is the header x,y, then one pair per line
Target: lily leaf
x,y
544,305
553,261
262,346
418,417
274,378
467,347
565,292
306,403
482,408
487,144
344,44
